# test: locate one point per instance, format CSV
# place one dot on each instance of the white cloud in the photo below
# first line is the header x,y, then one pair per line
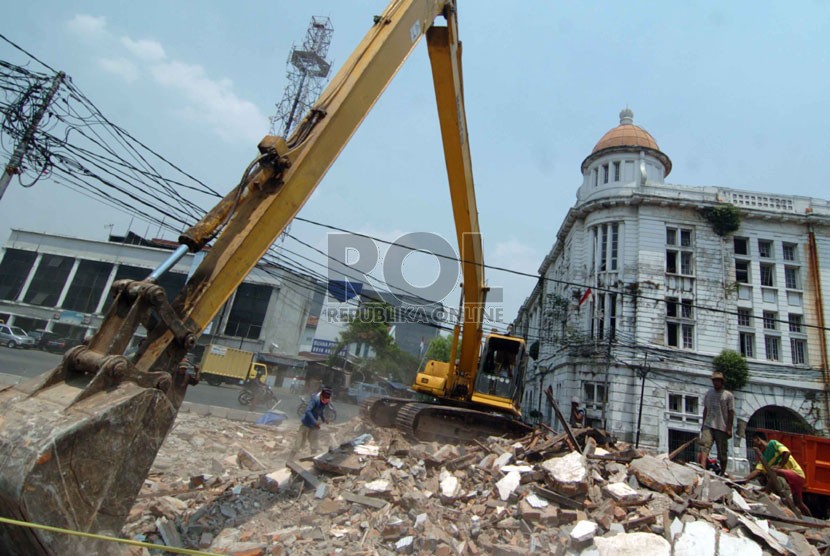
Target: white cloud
x,y
213,101
144,49
88,26
121,67
516,255
207,101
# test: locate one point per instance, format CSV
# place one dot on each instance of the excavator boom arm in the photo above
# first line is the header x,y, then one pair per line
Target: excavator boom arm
x,y
77,442
445,57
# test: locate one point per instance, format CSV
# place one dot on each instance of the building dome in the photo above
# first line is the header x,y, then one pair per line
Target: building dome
x,y
628,136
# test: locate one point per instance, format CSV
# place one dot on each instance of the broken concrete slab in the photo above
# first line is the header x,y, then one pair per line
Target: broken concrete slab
x,y
508,484
698,538
621,492
583,531
276,481
633,544
660,474
450,487
568,474
731,545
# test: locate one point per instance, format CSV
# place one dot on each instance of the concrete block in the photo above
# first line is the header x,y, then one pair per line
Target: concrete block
x,y
633,544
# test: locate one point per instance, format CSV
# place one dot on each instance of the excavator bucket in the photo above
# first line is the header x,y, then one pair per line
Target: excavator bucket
x,y
75,461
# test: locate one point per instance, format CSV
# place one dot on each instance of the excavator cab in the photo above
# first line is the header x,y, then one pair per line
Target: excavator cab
x,y
500,376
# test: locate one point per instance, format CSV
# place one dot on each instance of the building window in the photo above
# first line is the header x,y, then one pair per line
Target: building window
x,y
747,344
764,248
789,251
603,248
595,179
87,286
798,347
594,394
768,275
684,408
607,238
744,317
616,171
248,311
791,278
604,173
679,259
770,319
741,246
773,348
679,323
796,323
742,271
14,269
49,280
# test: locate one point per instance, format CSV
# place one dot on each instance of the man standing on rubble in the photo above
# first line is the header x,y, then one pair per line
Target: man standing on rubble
x,y
577,419
718,417
776,462
310,424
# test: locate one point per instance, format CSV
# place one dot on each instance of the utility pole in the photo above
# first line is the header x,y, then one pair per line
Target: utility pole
x,y
642,372
13,167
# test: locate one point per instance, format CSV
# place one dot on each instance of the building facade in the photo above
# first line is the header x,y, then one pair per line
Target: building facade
x,y
63,284
643,288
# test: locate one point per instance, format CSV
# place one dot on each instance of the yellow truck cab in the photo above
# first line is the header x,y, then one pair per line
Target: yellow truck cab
x,y
222,364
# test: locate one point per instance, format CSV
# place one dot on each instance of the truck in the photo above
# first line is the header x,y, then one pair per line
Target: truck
x,y
222,364
79,440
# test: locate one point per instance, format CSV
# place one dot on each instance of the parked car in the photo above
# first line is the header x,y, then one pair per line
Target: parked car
x,y
42,336
55,345
13,336
60,345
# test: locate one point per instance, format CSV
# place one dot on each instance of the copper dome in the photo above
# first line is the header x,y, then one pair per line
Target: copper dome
x,y
628,135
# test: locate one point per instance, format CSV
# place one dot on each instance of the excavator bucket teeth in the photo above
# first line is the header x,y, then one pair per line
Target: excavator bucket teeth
x,y
77,466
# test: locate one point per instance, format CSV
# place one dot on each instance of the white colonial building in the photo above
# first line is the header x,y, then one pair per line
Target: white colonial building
x,y
639,293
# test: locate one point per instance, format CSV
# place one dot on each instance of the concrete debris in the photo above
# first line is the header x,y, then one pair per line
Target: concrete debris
x,y
508,484
583,531
660,474
568,474
229,488
633,544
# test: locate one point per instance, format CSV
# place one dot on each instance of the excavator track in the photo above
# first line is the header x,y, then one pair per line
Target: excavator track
x,y
382,412
428,422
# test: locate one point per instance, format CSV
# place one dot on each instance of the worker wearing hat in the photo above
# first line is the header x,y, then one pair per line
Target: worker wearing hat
x,y
718,417
310,423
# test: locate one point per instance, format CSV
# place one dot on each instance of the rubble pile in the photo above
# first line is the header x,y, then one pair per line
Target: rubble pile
x,y
225,487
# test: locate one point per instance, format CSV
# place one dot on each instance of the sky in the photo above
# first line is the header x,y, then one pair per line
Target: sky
x,y
734,93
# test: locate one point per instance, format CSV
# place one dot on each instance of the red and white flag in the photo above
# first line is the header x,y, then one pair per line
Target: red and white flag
x,y
585,296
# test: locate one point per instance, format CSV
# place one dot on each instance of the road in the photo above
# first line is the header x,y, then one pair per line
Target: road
x,y
28,363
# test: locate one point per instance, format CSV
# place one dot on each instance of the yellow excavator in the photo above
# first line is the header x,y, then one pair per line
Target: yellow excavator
x,y
77,442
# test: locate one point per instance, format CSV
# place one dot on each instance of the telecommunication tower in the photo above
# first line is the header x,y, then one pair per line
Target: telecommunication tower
x,y
307,71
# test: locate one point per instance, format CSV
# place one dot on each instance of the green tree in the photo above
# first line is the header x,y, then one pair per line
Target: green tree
x,y
439,349
370,325
734,368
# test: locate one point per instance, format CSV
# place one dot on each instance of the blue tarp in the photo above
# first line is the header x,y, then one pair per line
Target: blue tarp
x,y
272,418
